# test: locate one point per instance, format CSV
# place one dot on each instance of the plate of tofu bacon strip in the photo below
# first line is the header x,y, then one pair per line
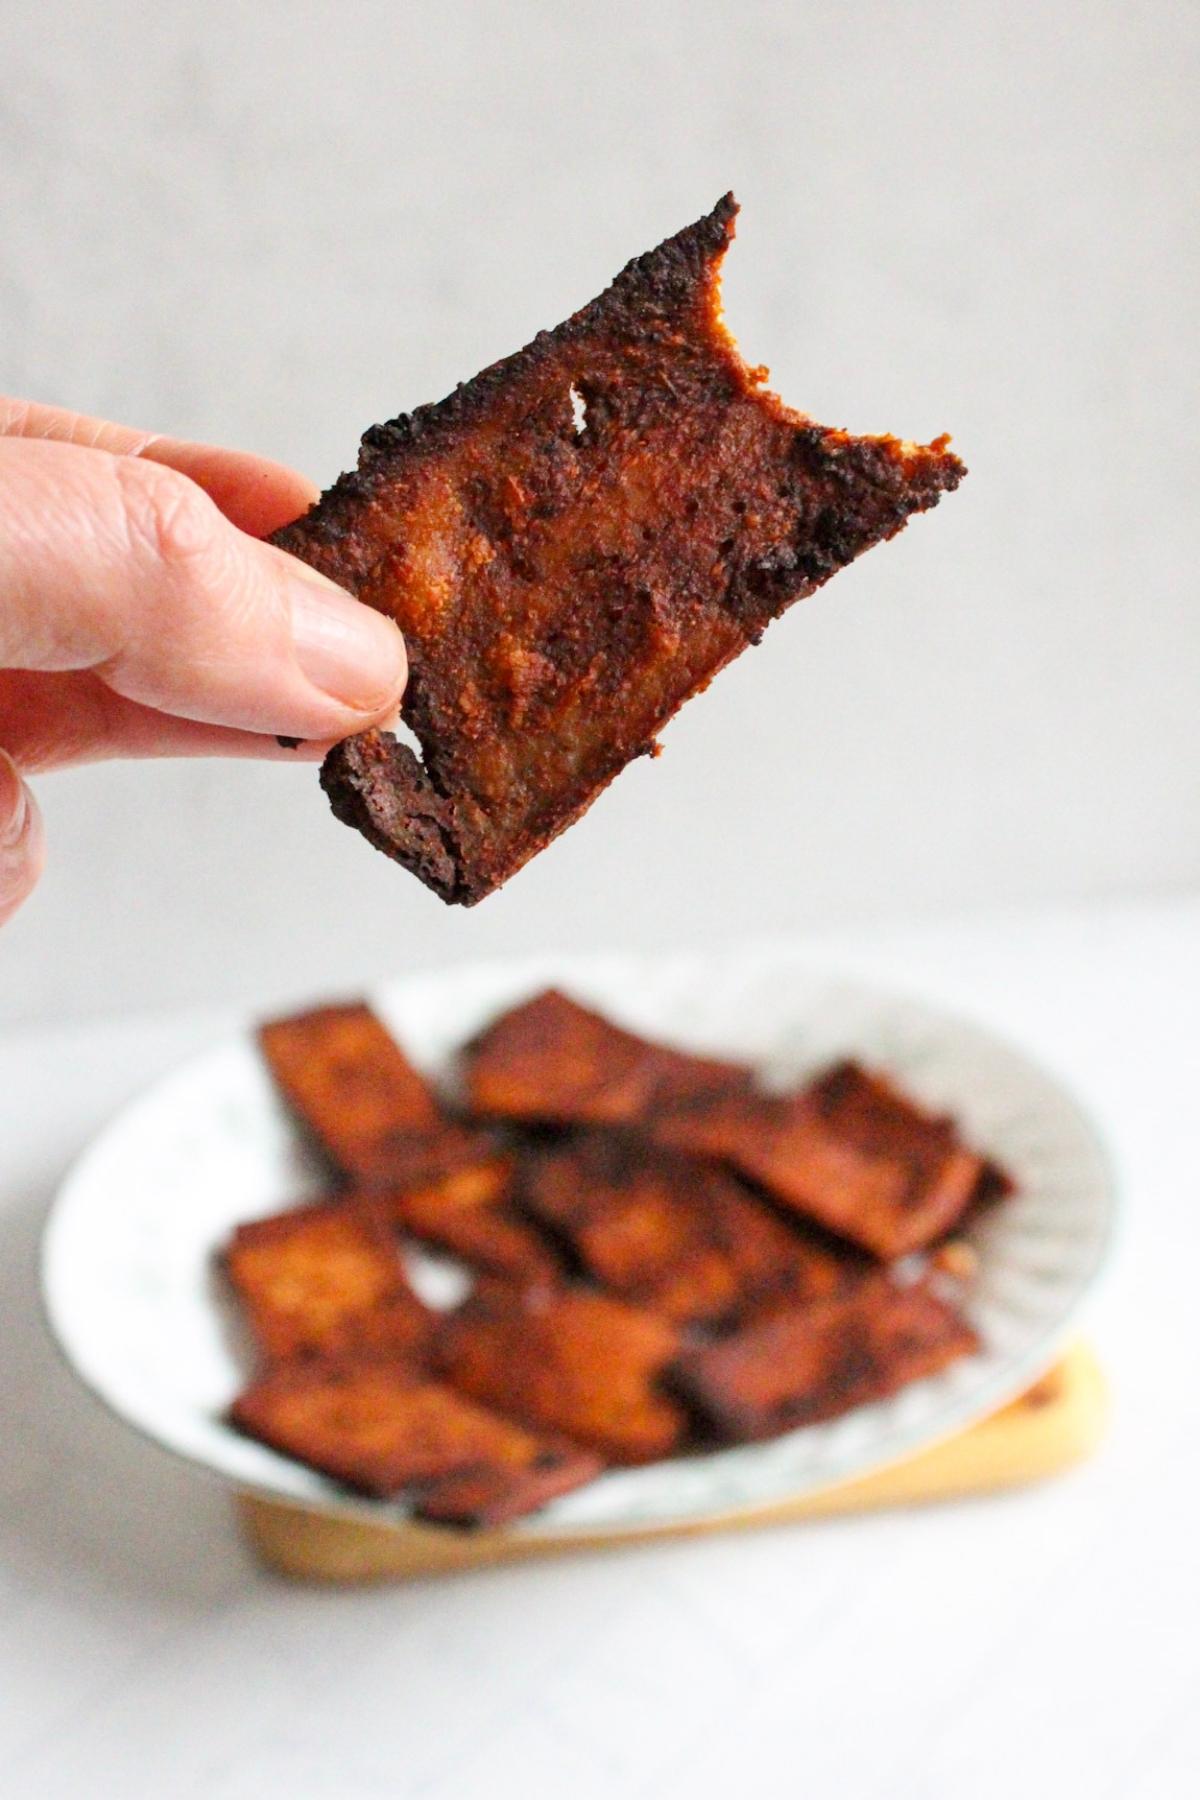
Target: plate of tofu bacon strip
x,y
579,1244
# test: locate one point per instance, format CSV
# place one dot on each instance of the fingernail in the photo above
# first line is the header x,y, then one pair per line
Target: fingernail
x,y
346,649
14,808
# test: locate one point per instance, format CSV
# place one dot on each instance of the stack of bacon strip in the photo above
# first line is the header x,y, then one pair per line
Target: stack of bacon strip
x,y
663,1256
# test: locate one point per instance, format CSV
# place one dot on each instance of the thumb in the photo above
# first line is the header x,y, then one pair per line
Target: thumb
x,y
126,567
21,848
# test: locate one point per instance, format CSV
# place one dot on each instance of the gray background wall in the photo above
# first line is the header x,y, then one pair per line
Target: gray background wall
x,y
269,225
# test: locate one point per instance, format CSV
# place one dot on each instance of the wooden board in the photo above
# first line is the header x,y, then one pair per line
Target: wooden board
x,y
1057,1423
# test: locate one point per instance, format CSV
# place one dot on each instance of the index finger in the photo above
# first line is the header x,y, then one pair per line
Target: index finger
x,y
111,564
255,494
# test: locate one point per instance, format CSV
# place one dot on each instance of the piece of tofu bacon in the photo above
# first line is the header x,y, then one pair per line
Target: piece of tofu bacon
x,y
574,543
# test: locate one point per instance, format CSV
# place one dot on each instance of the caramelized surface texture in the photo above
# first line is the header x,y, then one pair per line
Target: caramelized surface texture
x,y
816,1362
469,1212
551,1059
386,1430
356,1093
662,1253
675,1234
325,1280
579,1363
565,583
849,1152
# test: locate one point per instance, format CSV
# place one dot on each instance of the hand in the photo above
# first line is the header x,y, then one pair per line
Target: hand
x,y
139,616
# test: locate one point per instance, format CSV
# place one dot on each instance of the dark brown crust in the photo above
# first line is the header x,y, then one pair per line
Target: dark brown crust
x,y
579,1363
551,1059
815,1363
676,1235
386,1430
849,1152
360,1099
562,591
378,787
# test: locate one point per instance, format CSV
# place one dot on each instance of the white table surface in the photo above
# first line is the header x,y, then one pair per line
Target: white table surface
x,y
1042,1643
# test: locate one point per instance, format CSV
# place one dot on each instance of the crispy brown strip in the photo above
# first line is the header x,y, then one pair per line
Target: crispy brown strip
x,y
489,1495
352,1087
849,1152
579,1363
813,1363
469,1212
565,584
677,1235
552,1059
324,1280
384,1430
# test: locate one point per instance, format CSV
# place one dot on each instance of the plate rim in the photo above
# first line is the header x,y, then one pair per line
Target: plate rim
x,y
888,1449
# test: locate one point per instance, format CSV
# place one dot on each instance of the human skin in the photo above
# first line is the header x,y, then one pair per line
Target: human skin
x,y
140,615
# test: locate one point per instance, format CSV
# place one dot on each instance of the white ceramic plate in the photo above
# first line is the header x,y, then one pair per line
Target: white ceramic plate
x,y
131,1295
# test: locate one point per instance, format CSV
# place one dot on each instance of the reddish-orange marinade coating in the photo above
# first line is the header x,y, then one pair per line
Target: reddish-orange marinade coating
x,y
817,1362
553,1061
387,1430
580,1363
468,1212
564,584
325,1280
849,1152
677,1235
360,1099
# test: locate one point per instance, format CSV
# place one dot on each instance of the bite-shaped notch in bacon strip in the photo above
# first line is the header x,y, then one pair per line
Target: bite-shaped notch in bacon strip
x,y
325,1280
578,1363
849,1152
812,1363
375,1118
468,1212
677,1235
573,544
552,1060
389,1431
